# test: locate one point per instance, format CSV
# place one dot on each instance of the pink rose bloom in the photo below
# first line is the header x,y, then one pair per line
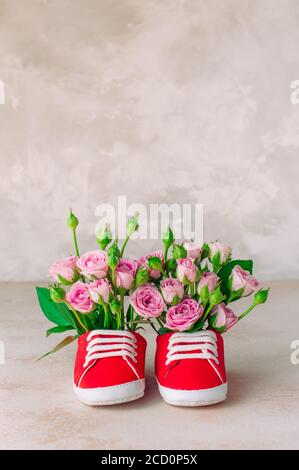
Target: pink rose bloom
x,y
224,250
65,268
222,318
171,288
243,279
147,301
100,288
208,279
93,264
79,297
125,273
186,268
154,273
194,250
183,316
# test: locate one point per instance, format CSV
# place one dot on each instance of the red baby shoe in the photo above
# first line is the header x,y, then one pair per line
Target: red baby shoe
x,y
190,368
109,367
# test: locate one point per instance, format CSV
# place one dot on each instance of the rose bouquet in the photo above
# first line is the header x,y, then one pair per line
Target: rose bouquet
x,y
184,287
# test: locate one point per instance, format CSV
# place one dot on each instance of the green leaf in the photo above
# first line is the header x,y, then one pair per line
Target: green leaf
x,y
226,270
205,294
154,262
62,344
55,312
64,281
179,251
163,330
216,261
58,329
198,326
205,251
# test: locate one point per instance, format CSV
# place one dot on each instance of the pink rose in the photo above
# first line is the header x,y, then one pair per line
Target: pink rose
x,y
79,297
65,268
183,316
154,273
100,288
147,301
93,264
222,318
194,250
186,268
171,288
208,279
242,279
224,250
125,273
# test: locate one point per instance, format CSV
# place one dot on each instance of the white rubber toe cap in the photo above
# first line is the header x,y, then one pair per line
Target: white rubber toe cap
x,y
203,397
111,395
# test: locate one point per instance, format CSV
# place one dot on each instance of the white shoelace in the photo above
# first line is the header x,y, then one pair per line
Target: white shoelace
x,y
182,345
110,343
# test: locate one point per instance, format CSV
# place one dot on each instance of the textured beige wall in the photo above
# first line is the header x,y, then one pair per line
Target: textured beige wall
x,y
159,100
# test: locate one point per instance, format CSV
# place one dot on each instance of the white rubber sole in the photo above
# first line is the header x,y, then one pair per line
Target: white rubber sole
x,y
204,397
113,395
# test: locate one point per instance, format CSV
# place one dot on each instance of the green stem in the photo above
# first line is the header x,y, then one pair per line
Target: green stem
x,y
75,242
124,245
191,289
113,279
106,316
207,312
122,313
77,317
247,311
165,254
153,326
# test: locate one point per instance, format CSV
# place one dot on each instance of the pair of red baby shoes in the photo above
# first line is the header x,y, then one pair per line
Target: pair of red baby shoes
x,y
190,368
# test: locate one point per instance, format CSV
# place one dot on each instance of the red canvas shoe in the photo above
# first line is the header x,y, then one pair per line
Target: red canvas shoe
x,y
190,368
109,367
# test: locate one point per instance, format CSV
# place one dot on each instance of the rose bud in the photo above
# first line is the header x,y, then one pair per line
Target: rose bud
x,y
186,270
155,264
178,251
242,279
171,288
208,279
223,250
64,270
142,276
222,318
125,273
132,225
143,261
194,250
57,294
183,316
100,291
104,236
115,306
261,296
114,250
72,221
168,238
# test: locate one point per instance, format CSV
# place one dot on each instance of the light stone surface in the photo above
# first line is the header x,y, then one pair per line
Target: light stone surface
x,y
160,101
39,410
